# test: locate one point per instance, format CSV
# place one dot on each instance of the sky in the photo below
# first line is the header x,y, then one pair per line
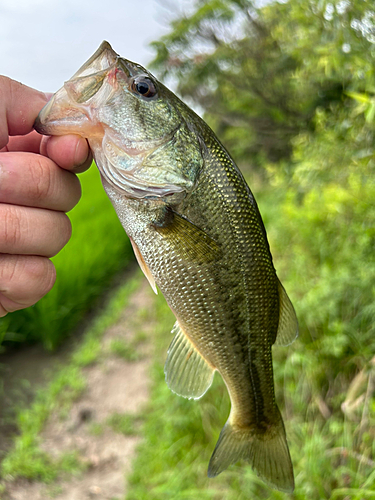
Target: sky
x,y
44,42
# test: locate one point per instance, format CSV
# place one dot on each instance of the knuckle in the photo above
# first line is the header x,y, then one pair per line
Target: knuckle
x,y
24,280
12,267
42,273
66,229
41,183
11,226
63,232
7,269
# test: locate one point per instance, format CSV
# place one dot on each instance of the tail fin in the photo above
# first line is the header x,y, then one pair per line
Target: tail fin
x,y
267,453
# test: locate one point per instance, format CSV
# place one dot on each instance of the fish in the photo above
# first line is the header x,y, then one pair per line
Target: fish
x,y
199,238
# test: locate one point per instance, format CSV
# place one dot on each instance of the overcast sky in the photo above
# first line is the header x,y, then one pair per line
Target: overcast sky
x,y
44,42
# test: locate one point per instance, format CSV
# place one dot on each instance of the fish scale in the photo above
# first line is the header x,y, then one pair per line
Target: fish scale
x,y
199,237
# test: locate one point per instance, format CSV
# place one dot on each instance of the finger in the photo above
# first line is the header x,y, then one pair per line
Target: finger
x,y
70,152
36,181
19,106
32,231
29,142
23,281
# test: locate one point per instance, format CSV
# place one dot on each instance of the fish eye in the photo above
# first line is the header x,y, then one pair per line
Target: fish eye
x,y
144,86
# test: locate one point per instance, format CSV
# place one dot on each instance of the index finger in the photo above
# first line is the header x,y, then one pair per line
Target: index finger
x,y
19,106
28,143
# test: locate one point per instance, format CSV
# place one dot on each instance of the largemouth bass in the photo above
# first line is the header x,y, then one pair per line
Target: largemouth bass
x,y
199,237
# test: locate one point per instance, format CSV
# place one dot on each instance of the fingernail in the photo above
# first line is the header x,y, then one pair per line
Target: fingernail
x,y
81,152
82,161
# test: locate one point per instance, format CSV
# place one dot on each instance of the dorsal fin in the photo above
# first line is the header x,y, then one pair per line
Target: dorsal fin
x,y
186,372
288,325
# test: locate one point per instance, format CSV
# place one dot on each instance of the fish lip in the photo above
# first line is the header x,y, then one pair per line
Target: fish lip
x,y
103,48
47,123
39,127
102,60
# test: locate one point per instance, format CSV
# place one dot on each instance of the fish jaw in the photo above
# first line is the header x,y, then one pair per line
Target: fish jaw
x,y
102,59
63,114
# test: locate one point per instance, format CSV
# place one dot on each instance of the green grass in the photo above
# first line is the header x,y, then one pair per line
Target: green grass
x,y
125,423
330,456
97,251
124,349
26,459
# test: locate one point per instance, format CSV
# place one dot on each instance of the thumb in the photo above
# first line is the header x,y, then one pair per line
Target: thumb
x,y
19,106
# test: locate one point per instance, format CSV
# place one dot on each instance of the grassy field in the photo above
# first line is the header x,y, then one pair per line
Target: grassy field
x,y
26,459
330,451
97,251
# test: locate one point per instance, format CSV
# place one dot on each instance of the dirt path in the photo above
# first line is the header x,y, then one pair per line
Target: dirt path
x,y
114,386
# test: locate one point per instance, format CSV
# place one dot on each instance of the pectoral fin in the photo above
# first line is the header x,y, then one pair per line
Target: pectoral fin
x,y
186,372
144,266
288,324
191,241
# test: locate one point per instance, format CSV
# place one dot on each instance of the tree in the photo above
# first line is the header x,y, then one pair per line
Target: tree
x,y
265,70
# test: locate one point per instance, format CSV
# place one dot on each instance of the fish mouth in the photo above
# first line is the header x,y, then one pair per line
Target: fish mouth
x,y
65,118
45,124
64,114
40,127
101,60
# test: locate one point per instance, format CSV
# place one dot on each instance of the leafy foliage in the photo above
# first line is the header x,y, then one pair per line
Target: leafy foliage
x,y
266,70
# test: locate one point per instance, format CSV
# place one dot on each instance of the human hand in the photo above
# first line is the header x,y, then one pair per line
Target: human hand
x,y
34,194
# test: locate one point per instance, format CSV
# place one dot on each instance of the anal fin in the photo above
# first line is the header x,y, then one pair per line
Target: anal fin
x,y
143,266
186,371
288,325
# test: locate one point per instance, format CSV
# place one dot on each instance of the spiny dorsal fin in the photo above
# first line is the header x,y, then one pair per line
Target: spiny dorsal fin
x,y
192,242
144,266
186,372
288,324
